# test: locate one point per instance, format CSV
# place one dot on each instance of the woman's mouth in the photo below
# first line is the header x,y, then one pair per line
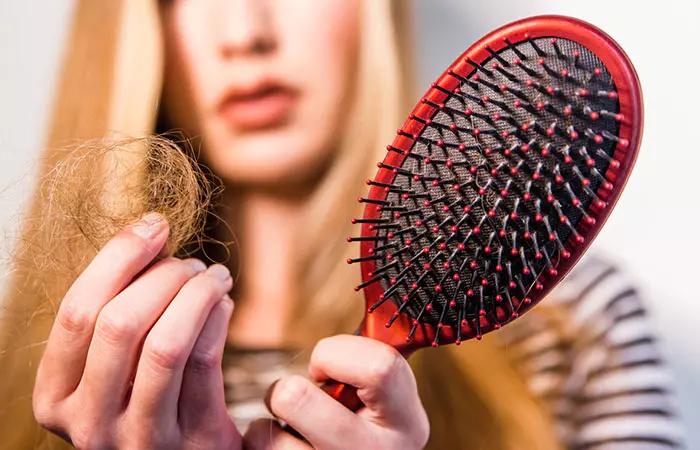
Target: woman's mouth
x,y
263,106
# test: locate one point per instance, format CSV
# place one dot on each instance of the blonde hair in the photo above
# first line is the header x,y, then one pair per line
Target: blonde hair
x,y
474,396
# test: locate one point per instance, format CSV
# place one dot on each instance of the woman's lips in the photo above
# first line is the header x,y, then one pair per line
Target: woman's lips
x,y
258,108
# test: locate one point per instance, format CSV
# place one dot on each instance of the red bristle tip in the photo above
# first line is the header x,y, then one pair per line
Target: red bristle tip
x,y
624,143
615,164
491,213
516,61
586,182
514,171
612,95
514,315
540,61
538,217
512,284
458,342
527,196
349,260
583,92
540,105
527,300
565,254
538,286
499,268
460,246
478,337
435,183
567,111
598,139
590,220
600,204
482,312
440,143
564,73
502,233
550,198
619,117
438,288
525,148
461,147
434,344
590,162
429,307
473,265
487,249
514,251
353,221
594,115
563,219
455,187
393,281
553,272
527,235
536,176
497,326
499,298
476,230
526,271
597,71
455,276
580,239
470,293
573,135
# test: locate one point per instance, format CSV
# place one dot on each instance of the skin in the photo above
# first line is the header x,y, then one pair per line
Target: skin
x,y
121,372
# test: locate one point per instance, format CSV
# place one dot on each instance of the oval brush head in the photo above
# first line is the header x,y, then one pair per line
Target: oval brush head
x,y
497,183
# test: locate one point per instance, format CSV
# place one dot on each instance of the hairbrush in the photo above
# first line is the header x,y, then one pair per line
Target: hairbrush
x,y
496,184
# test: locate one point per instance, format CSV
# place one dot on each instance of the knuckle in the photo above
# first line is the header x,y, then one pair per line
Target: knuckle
x,y
114,327
204,361
164,356
75,319
44,411
385,366
85,435
290,395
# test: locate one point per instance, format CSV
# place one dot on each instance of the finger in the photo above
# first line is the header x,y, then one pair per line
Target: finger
x,y
266,434
120,329
124,256
169,344
383,378
324,422
202,402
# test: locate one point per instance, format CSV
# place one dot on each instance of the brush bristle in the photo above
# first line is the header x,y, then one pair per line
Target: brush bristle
x,y
495,184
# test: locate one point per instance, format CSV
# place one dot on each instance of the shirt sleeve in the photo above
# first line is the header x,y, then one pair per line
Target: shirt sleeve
x,y
620,391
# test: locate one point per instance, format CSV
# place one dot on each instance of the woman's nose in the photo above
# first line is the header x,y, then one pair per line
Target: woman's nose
x,y
245,28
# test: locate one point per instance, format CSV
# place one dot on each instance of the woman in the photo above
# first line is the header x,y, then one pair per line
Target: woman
x,y
292,103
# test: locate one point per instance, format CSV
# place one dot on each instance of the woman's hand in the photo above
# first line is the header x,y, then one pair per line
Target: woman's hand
x,y
393,416
136,362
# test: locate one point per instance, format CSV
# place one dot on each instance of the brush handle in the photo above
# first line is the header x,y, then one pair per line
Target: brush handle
x,y
344,393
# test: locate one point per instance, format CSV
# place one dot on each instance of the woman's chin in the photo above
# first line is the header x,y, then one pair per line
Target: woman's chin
x,y
269,159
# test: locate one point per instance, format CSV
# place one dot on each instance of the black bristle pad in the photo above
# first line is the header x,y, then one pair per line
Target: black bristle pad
x,y
522,204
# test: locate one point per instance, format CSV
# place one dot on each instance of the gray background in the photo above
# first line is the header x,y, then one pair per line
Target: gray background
x,y
654,231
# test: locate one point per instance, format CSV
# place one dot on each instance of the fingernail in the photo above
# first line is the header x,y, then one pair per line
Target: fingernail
x,y
268,396
220,271
149,226
228,304
197,265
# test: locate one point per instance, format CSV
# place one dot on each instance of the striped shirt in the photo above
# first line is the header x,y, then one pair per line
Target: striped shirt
x,y
596,366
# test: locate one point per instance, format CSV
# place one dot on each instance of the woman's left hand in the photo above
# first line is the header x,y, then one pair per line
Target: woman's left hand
x,y
392,418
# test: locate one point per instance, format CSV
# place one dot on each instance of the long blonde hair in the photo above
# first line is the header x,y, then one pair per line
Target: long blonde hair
x,y
474,396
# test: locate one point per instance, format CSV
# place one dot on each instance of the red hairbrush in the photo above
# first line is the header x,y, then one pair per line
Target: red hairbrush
x,y
496,184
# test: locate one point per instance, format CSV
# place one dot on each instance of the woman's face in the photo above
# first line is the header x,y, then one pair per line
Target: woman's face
x,y
264,83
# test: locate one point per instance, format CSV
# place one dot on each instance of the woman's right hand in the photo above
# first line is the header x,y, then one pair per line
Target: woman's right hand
x,y
135,363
